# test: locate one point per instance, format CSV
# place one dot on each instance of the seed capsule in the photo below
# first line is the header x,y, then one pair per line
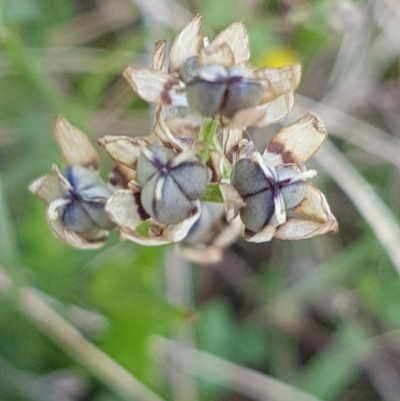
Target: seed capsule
x,y
213,89
169,189
250,181
85,210
260,193
294,192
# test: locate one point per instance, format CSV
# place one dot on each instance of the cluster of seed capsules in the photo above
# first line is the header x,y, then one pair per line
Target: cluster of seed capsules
x,y
159,191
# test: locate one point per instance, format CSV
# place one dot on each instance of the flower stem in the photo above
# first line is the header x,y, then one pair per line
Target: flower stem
x,y
205,137
212,194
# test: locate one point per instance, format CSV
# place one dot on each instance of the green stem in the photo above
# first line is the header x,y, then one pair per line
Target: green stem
x,y
212,194
206,137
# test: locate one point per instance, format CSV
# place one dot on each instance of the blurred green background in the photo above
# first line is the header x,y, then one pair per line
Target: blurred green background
x,y
321,316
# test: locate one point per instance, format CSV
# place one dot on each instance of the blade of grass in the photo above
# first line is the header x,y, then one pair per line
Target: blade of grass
x,y
25,65
340,124
67,337
379,217
8,248
248,382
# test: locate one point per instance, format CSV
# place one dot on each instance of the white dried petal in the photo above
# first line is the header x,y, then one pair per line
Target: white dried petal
x,y
156,86
123,149
236,37
125,210
315,206
265,235
75,145
261,115
159,55
162,131
277,81
221,55
47,188
298,142
295,229
186,44
159,234
231,138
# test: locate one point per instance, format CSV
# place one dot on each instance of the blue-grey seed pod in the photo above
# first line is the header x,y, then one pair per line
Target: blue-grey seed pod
x,y
172,207
240,95
147,168
75,218
89,194
258,210
292,193
248,178
168,190
189,70
191,179
212,90
206,97
252,185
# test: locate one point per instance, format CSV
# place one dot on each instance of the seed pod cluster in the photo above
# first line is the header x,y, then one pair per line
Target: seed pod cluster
x,y
259,192
170,183
87,196
213,89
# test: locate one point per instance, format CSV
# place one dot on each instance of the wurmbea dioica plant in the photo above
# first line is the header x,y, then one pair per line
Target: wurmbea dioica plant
x,y
174,184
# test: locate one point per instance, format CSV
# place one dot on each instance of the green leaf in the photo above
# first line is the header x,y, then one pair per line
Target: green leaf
x,y
8,249
126,287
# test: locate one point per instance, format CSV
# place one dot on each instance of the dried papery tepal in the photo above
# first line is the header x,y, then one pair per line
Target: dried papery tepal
x,y
75,200
279,199
214,79
211,233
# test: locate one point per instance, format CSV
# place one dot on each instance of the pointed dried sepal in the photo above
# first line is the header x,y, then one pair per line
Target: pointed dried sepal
x,y
277,81
47,188
314,206
123,149
75,146
91,240
185,129
295,229
265,235
298,142
230,143
125,210
155,86
174,138
159,55
262,115
186,44
236,38
218,55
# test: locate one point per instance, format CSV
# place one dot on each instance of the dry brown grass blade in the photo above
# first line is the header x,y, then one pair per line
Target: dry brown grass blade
x,y
248,382
376,213
340,124
29,302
